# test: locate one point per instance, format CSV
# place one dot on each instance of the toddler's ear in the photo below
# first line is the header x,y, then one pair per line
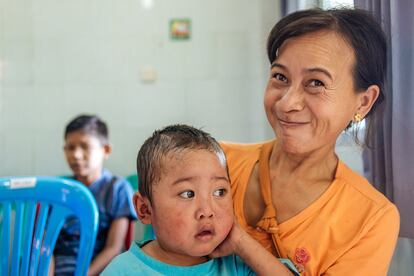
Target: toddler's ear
x,y
143,208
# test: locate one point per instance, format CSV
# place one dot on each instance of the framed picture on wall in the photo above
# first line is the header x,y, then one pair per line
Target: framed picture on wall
x,y
180,29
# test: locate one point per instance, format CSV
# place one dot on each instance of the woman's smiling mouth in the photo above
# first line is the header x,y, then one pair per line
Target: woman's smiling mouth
x,y
289,123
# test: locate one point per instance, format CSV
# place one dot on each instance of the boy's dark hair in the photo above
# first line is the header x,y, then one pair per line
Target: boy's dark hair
x,y
171,139
363,34
89,124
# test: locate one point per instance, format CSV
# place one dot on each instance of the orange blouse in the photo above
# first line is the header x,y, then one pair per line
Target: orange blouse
x,y
351,229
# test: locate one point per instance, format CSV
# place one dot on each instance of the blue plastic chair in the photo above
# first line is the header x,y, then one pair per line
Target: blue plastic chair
x,y
32,213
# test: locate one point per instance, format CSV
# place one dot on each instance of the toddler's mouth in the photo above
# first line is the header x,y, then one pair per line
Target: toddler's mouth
x,y
205,234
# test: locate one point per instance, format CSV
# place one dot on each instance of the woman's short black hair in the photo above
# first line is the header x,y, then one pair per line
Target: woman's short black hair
x,y
357,27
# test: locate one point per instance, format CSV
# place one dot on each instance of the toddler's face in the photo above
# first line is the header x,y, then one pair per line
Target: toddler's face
x,y
85,154
192,209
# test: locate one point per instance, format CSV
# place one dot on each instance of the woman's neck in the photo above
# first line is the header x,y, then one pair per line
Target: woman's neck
x,y
318,165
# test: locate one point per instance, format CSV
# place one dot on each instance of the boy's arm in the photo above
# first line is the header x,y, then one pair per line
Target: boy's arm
x,y
261,261
114,243
51,270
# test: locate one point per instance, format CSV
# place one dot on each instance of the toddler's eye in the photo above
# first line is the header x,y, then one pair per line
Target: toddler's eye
x,y
187,194
220,192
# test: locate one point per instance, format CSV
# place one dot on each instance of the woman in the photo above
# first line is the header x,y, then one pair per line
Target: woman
x,y
292,194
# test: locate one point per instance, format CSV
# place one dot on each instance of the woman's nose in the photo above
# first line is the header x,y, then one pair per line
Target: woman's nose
x,y
292,99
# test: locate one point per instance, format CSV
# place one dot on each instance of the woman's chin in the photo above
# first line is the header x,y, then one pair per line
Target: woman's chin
x,y
294,146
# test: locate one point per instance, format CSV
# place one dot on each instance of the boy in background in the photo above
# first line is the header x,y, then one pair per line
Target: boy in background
x,y
184,192
86,147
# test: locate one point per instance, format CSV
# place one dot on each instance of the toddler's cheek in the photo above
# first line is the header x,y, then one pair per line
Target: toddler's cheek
x,y
226,222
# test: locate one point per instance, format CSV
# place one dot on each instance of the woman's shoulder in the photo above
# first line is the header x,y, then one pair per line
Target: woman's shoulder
x,y
354,210
357,186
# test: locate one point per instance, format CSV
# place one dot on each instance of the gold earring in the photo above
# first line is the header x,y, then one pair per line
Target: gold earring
x,y
358,118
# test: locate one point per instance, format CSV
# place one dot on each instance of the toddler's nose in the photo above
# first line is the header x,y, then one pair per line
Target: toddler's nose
x,y
205,211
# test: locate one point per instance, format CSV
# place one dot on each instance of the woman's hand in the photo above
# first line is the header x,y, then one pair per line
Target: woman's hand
x,y
261,261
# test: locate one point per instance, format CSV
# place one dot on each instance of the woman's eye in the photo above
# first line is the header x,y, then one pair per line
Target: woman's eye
x,y
220,192
187,194
316,83
279,77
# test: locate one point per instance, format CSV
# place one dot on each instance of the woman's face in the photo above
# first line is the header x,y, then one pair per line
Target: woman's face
x,y
310,97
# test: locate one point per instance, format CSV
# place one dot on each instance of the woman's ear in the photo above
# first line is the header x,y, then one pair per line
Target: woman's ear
x,y
143,208
367,99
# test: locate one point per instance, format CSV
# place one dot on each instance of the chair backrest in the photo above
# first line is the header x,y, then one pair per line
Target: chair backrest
x,y
32,213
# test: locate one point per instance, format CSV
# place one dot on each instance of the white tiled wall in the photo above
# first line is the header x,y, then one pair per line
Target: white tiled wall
x,y
61,58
